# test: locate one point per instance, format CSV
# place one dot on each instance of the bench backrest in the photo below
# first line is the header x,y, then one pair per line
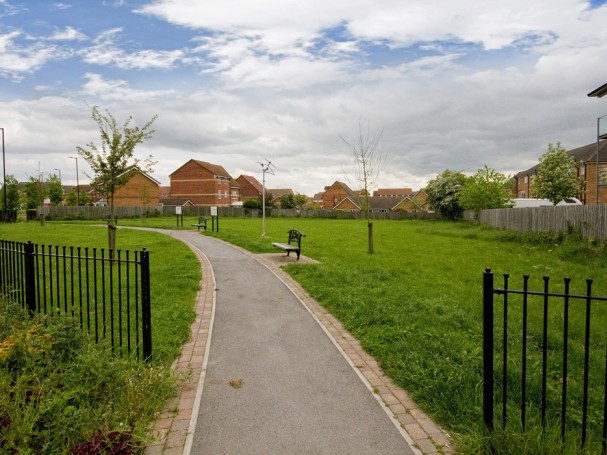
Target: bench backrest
x,y
295,236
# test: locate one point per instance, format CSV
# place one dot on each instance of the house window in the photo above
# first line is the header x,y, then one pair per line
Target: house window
x,y
219,194
522,195
526,179
583,170
603,174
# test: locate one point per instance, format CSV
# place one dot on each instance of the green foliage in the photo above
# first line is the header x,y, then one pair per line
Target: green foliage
x,y
54,190
444,192
300,200
59,392
34,193
287,201
487,189
111,161
556,178
72,198
252,203
12,194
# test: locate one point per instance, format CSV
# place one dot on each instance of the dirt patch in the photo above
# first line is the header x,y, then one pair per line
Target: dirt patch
x,y
281,259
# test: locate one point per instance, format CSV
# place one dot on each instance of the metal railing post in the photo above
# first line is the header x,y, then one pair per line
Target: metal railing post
x,y
30,279
488,348
146,310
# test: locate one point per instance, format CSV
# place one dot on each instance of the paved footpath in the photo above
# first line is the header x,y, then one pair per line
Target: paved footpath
x,y
271,372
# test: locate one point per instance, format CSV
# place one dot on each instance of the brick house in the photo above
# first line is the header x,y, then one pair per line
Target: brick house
x,y
140,190
336,193
277,193
587,155
393,192
417,202
250,187
204,184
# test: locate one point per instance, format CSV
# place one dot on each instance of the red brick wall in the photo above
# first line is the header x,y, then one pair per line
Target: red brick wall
x,y
333,196
201,186
137,192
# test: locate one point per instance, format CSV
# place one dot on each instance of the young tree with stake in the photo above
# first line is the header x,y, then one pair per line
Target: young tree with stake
x,y
368,157
111,161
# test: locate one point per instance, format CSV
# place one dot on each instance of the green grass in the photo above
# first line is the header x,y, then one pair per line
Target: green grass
x,y
416,305
174,273
76,394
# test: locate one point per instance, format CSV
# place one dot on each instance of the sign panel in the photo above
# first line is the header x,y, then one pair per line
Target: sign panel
x,y
213,211
178,210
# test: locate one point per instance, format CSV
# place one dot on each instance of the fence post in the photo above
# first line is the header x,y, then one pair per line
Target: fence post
x,y
488,348
30,278
146,311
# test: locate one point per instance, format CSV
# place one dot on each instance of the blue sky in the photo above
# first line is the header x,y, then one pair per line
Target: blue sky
x,y
453,84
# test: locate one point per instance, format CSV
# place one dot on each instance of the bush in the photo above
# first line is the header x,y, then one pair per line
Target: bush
x,y
65,393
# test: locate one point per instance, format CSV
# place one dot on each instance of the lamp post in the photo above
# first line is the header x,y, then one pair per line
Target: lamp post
x,y
77,182
599,135
4,169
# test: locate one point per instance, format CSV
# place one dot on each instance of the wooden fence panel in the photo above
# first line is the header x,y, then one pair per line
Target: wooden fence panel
x,y
591,220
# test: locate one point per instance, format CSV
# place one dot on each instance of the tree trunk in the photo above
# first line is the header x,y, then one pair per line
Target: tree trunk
x,y
111,231
370,226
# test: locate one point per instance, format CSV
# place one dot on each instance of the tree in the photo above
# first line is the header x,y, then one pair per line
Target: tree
x,y
252,203
12,194
443,193
368,157
72,198
287,201
556,177
487,189
300,201
111,161
34,193
54,190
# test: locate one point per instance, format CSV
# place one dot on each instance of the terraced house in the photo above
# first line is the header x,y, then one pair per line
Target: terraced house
x,y
204,184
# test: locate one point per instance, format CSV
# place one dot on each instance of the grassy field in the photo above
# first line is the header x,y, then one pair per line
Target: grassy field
x,y
416,305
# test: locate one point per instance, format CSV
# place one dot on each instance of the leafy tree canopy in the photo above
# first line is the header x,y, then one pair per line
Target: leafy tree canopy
x,y
12,194
556,177
443,193
287,201
54,189
114,157
487,189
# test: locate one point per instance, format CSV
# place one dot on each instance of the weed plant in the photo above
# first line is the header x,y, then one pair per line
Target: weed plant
x,y
416,306
61,393
71,395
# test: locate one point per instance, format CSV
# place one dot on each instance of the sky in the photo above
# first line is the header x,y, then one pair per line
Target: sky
x,y
449,84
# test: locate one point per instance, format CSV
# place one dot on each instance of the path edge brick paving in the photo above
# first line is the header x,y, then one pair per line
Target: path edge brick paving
x,y
172,432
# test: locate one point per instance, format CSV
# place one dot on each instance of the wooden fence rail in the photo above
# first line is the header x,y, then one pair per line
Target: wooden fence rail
x,y
591,220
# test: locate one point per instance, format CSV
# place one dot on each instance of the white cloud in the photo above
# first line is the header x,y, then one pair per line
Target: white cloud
x,y
17,60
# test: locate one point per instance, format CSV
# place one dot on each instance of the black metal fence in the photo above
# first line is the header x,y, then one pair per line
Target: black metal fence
x,y
108,291
547,344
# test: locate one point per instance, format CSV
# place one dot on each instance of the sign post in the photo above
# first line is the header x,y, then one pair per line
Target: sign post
x,y
179,216
214,216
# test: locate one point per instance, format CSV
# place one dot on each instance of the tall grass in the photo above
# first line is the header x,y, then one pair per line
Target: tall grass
x,y
416,305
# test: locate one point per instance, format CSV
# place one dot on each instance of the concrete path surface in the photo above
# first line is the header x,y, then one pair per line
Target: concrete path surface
x,y
272,379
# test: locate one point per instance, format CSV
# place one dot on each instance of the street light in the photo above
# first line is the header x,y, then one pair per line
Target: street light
x,y
4,169
77,182
601,133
